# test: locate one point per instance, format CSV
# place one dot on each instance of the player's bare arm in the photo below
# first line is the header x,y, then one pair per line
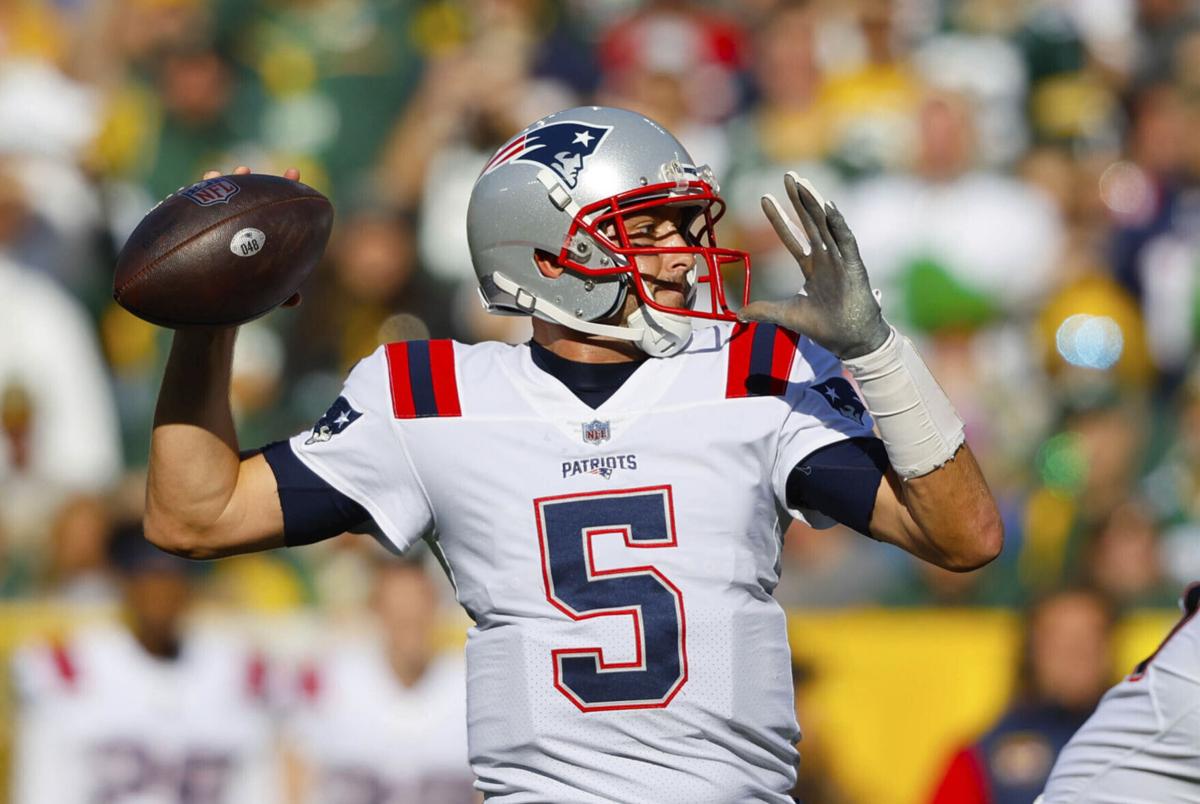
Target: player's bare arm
x,y
933,501
202,499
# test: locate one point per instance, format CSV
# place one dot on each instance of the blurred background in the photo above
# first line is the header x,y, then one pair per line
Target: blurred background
x,y
1023,178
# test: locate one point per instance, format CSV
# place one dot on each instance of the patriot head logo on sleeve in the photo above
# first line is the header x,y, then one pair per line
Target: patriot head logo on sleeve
x,y
563,147
841,396
339,416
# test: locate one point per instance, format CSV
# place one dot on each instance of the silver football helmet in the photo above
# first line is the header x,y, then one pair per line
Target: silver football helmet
x,y
563,186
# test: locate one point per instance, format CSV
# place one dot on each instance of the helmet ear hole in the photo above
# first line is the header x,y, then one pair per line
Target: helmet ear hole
x,y
547,264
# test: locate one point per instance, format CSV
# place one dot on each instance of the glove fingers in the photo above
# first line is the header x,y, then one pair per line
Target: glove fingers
x,y
795,240
810,208
845,239
807,222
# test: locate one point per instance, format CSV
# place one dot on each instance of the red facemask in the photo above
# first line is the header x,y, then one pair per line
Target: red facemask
x,y
698,230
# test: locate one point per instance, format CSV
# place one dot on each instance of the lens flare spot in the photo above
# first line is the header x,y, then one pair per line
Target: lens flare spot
x,y
1090,341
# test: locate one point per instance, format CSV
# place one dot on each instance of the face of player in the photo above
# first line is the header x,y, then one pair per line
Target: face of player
x,y
664,276
156,602
1069,651
405,601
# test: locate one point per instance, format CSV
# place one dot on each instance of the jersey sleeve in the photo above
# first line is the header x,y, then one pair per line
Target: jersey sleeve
x,y
824,408
358,449
42,677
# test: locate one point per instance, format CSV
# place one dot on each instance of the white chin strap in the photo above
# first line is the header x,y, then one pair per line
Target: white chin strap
x,y
663,334
656,333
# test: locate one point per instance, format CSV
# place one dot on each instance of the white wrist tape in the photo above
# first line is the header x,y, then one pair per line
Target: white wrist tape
x,y
919,426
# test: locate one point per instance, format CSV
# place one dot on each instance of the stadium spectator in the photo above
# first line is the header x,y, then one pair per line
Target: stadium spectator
x,y
58,426
872,107
371,274
78,571
1123,559
677,61
473,96
784,129
1065,667
938,238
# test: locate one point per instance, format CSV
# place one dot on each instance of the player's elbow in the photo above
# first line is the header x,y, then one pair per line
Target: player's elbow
x,y
978,542
175,538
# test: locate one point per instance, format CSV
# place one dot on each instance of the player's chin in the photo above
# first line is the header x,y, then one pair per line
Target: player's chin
x,y
671,299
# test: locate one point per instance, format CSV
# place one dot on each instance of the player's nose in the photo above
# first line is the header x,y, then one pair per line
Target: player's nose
x,y
677,263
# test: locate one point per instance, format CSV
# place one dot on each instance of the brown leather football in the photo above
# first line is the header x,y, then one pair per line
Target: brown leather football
x,y
222,251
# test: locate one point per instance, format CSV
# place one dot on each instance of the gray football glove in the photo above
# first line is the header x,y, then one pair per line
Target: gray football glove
x,y
837,308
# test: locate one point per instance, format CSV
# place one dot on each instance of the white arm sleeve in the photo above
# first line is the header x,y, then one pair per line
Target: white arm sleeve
x,y
358,448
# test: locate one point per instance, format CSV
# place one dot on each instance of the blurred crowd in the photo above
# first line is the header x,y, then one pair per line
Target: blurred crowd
x,y
1009,168
1023,178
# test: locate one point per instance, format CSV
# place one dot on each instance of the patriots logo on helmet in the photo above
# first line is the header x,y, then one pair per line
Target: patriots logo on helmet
x,y
840,395
563,147
339,416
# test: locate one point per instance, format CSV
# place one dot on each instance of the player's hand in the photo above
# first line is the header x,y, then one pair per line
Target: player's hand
x,y
837,308
242,170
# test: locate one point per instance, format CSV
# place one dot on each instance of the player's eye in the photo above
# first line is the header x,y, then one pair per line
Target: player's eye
x,y
643,235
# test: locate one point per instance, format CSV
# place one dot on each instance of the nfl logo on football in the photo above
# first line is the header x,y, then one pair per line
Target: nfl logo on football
x,y
211,191
596,432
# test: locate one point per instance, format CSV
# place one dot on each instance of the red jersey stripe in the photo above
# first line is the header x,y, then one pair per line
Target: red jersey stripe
x,y
741,343
64,663
445,382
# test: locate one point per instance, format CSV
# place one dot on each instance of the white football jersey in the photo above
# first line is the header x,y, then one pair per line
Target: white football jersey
x,y
1142,744
366,739
101,720
618,562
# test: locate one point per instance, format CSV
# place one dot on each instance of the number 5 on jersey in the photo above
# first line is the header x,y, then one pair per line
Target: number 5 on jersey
x,y
645,519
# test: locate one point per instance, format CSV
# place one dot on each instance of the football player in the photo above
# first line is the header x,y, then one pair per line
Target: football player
x,y
608,499
152,712
1142,744
384,721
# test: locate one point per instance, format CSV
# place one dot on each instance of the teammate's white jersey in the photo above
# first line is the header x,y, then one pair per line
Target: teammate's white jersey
x,y
103,722
618,562
364,738
1142,744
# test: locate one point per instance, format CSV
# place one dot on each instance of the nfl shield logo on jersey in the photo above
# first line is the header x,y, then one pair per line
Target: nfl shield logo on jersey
x,y
596,432
339,416
211,191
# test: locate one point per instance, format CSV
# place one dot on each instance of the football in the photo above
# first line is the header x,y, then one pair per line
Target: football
x,y
223,251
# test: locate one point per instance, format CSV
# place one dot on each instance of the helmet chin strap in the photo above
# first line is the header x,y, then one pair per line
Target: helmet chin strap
x,y
663,334
656,333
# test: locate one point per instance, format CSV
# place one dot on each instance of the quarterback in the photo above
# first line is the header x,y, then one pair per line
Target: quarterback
x,y
609,498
